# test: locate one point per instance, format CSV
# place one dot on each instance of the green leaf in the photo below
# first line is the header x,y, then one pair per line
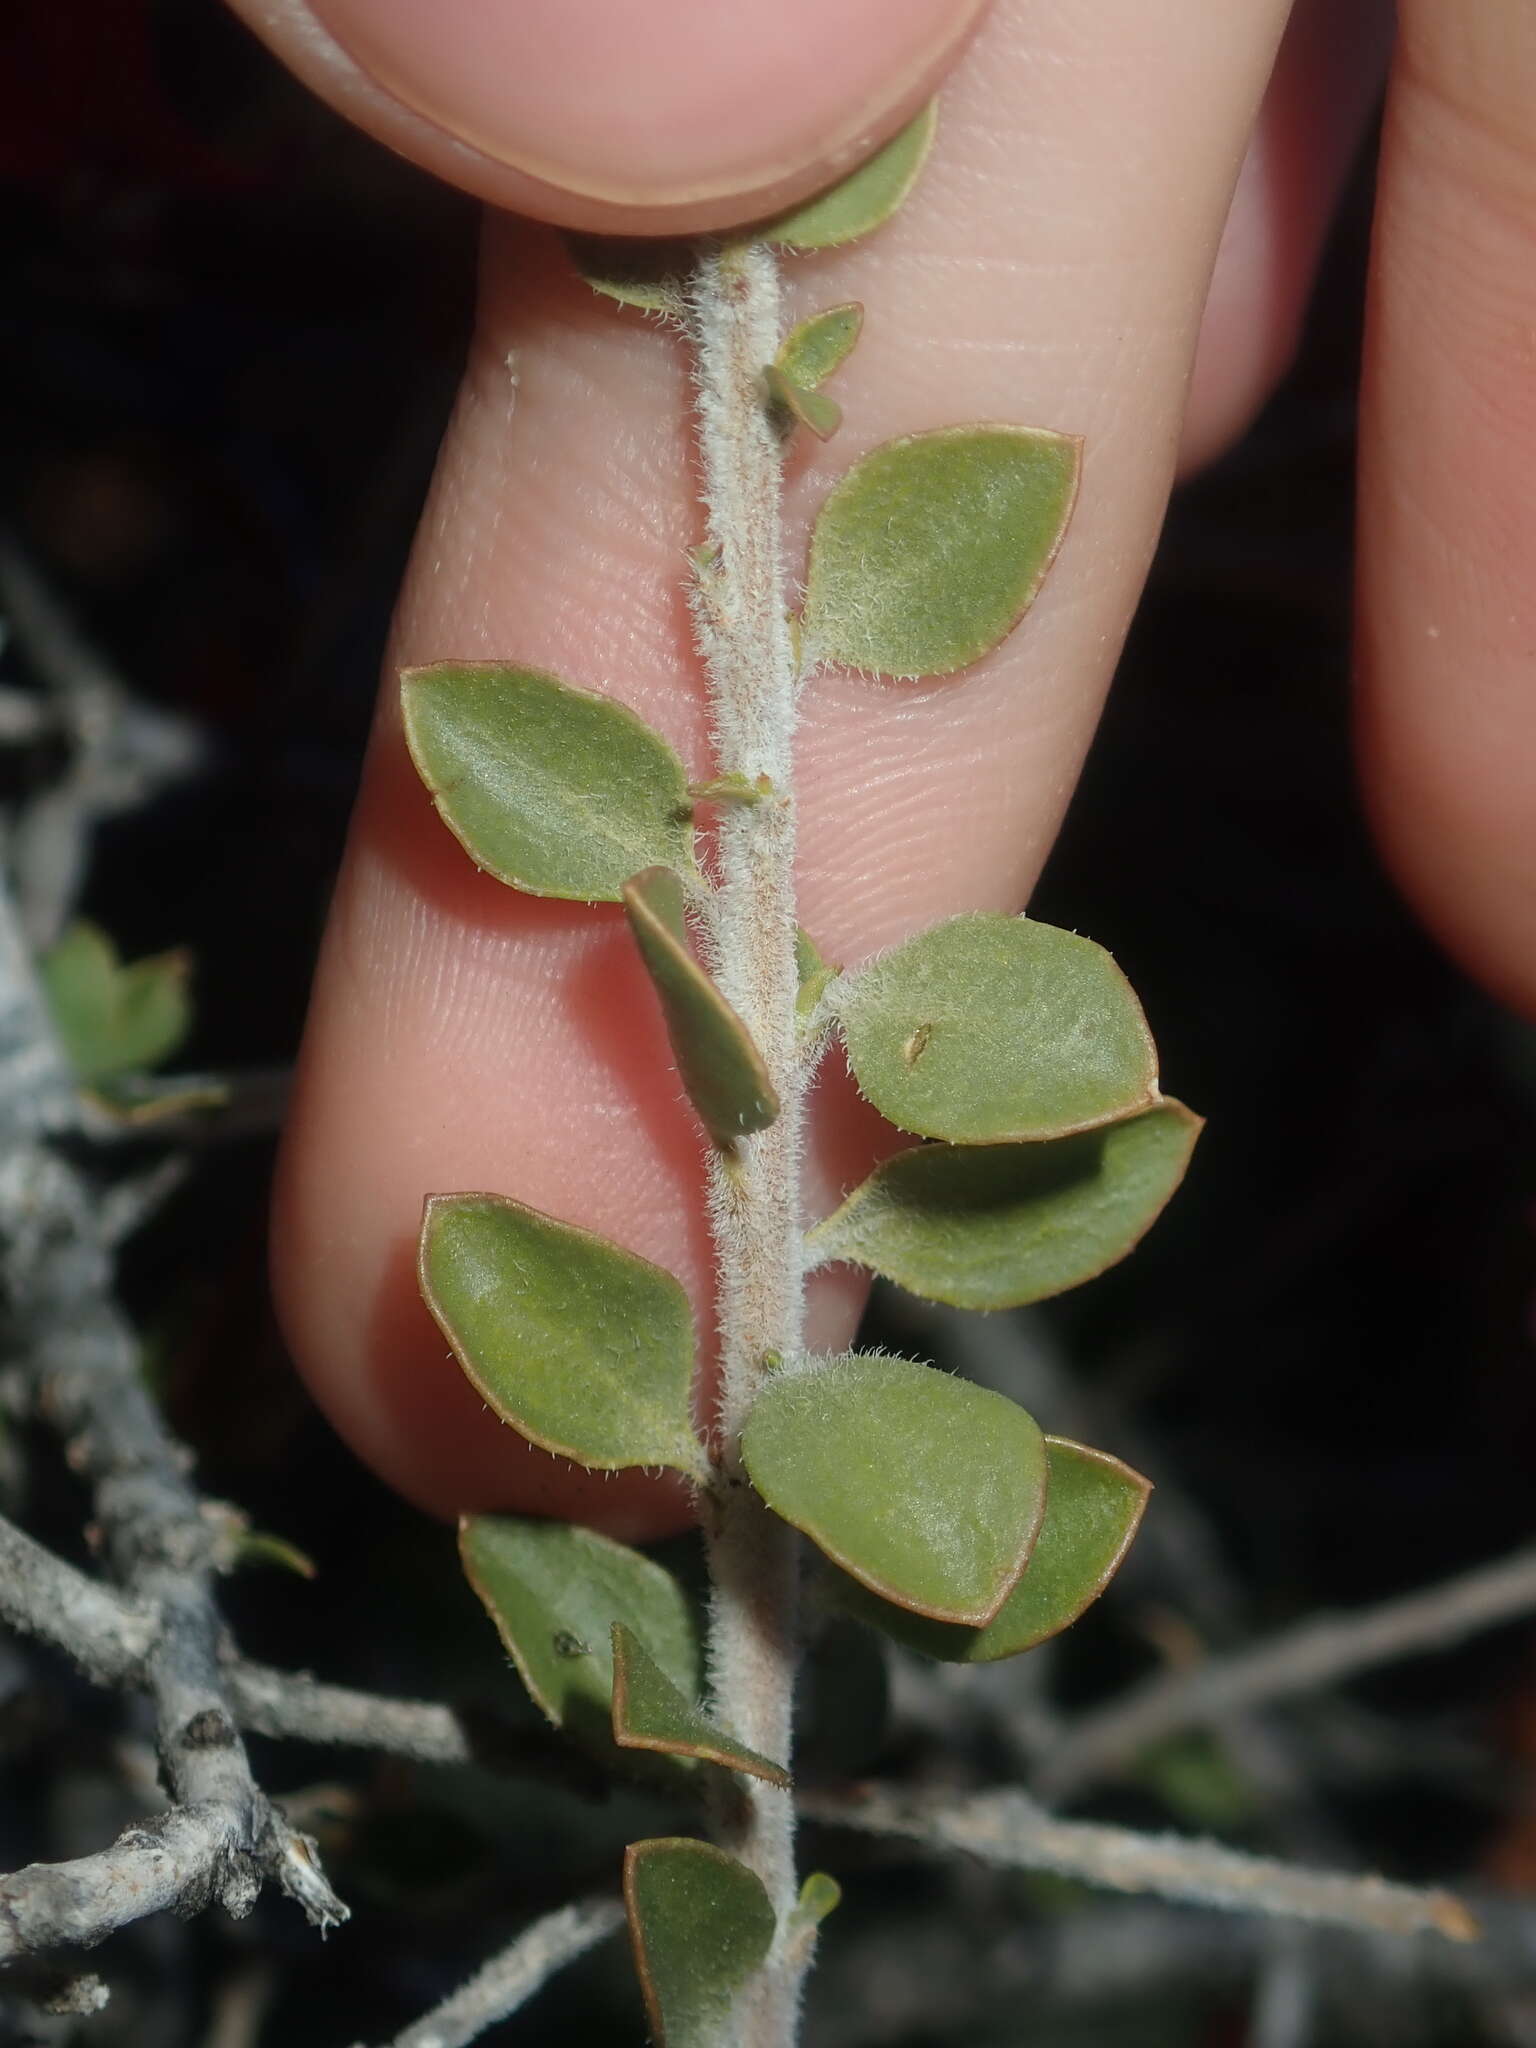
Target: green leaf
x,y
989,1029
553,790
793,404
701,1924
733,790
819,1896
720,1066
925,1488
133,1102
862,201
114,1019
1093,1508
997,1226
636,270
931,549
583,1347
815,974
1197,1779
555,1592
809,353
650,1712
258,1546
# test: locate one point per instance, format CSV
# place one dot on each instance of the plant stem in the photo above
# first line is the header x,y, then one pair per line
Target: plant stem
x,y
740,611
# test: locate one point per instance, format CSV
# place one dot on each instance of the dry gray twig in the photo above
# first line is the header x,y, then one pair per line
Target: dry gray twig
x,y
1317,1653
1007,1828
110,1639
78,1359
511,1979
121,751
291,1704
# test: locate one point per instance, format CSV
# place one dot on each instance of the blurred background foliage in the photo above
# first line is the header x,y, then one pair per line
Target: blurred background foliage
x,y
228,342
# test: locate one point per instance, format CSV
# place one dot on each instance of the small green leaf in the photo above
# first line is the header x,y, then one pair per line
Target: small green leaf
x,y
794,405
733,790
1199,1780
810,353
819,1896
998,1226
925,1488
554,1592
257,1546
816,974
636,270
650,1712
114,1019
701,1924
864,199
721,1068
1093,1508
133,1102
583,1347
989,1029
553,790
931,549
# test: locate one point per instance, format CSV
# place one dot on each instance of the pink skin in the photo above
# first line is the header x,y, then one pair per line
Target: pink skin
x,y
640,116
1052,267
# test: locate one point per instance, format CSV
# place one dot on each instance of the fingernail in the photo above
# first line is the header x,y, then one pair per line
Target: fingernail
x,y
670,103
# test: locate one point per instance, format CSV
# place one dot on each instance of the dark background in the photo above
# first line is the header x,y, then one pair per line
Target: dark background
x,y
229,335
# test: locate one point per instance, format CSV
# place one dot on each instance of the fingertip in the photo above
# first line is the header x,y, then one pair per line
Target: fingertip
x,y
1326,85
597,114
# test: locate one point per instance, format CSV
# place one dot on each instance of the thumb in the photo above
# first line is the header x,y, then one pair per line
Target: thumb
x,y
677,116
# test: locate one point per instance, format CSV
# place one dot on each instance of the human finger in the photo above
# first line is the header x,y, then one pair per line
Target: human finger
x,y
664,119
1447,525
1050,267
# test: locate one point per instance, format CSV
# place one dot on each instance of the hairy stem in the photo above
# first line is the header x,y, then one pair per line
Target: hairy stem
x,y
740,611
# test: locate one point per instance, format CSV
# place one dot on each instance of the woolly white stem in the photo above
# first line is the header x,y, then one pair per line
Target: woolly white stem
x,y
740,610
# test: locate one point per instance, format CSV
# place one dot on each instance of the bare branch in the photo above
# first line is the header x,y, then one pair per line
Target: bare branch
x,y
121,751
1007,1828
1318,1653
178,1861
107,1636
511,1979
111,1638
292,1704
79,1360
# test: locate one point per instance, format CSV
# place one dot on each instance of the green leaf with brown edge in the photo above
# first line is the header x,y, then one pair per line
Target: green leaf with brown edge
x,y
584,1348
796,406
1093,1508
989,1029
999,1226
927,1489
700,1924
553,790
720,1066
864,200
554,1592
650,1712
811,351
651,273
933,547
114,1018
